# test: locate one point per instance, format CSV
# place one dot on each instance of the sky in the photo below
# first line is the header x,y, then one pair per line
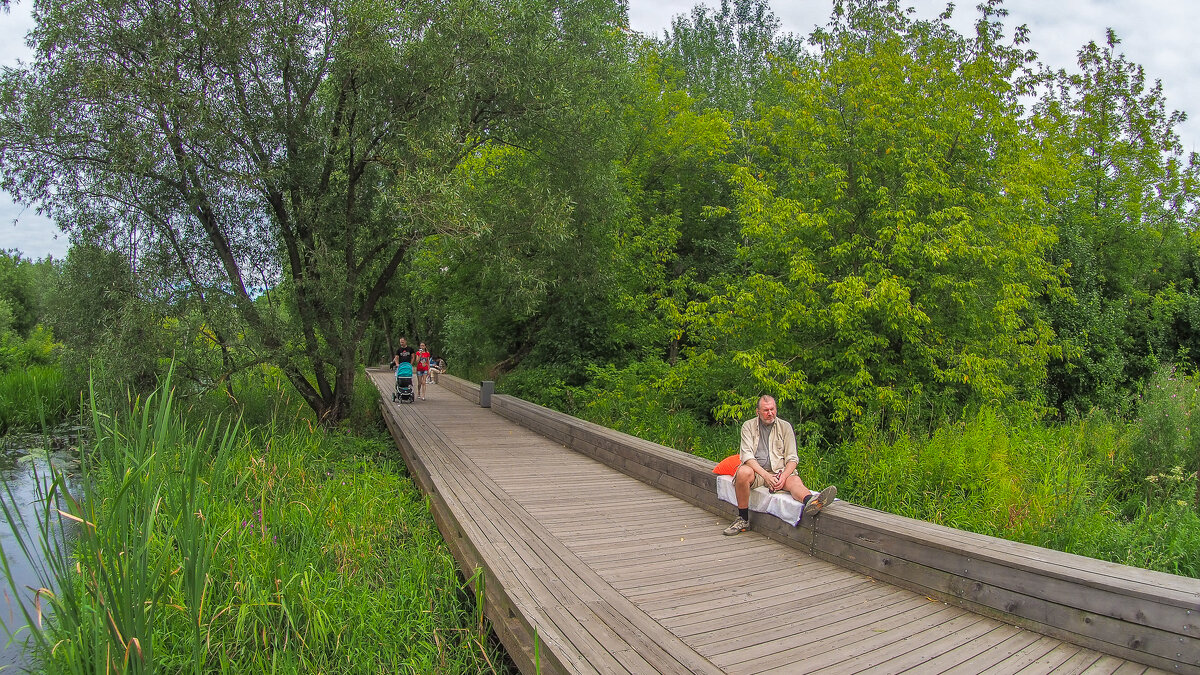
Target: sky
x,y
1153,33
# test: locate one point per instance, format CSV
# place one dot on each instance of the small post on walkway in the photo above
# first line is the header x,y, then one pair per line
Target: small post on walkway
x,y
486,389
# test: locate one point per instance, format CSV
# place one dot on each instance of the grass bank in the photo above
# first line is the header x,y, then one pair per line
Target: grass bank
x,y
202,544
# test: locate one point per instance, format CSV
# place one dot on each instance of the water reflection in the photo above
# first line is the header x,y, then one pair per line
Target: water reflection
x,y
25,461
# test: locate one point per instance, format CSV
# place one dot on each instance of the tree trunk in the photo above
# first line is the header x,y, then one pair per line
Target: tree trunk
x,y
387,336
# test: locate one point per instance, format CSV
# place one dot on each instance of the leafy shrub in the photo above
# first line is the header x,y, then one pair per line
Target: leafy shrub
x,y
1164,438
39,349
544,385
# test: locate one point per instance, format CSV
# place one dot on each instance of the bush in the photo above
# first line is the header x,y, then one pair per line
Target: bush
x,y
39,349
1164,438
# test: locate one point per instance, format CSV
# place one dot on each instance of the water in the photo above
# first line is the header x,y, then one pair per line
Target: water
x,y
25,460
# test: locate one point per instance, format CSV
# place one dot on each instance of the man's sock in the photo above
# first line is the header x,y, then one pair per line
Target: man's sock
x,y
744,513
808,497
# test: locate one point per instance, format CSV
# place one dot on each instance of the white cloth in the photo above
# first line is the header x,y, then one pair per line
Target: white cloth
x,y
779,504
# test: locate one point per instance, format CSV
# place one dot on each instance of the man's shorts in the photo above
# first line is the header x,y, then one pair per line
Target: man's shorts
x,y
758,481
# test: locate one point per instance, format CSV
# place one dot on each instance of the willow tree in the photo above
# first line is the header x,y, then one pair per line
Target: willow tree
x,y
274,160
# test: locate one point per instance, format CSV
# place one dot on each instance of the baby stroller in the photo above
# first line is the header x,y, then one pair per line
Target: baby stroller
x,y
404,384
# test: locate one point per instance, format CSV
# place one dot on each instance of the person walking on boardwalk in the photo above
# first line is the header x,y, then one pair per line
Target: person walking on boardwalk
x,y
404,354
768,455
421,359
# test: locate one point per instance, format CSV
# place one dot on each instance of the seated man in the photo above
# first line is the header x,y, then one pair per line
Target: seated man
x,y
768,454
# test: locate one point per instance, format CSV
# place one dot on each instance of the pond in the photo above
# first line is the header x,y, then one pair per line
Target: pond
x,y
25,461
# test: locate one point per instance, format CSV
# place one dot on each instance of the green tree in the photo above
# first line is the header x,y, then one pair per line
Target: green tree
x,y
723,56
535,277
23,285
103,316
894,229
1124,215
301,148
693,88
670,246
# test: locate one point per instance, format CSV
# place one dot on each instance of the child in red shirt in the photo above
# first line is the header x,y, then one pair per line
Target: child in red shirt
x,y
422,358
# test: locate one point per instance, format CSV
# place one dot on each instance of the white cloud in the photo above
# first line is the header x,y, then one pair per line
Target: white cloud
x,y
22,228
13,27
33,235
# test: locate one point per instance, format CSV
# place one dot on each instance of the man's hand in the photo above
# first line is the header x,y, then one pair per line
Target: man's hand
x,y
776,481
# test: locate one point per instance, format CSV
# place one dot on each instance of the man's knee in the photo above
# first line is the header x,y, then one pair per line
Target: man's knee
x,y
796,487
744,474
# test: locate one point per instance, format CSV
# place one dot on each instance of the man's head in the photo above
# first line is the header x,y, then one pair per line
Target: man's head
x,y
403,342
766,409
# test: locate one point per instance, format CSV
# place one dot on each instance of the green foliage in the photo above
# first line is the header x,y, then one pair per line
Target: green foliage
x,y
37,349
640,399
202,545
1065,486
1164,442
330,136
723,56
1124,208
37,395
893,230
673,244
23,285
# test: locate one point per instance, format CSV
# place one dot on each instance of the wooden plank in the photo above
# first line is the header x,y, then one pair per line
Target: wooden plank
x,y
817,622
1080,662
504,607
573,629
986,661
1062,621
1105,665
556,647
652,590
719,636
1128,668
1057,577
540,546
998,633
598,530
588,637
1025,657
821,653
1052,660
901,654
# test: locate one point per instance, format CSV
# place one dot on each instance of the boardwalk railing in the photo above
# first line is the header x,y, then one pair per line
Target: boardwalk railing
x,y
1148,617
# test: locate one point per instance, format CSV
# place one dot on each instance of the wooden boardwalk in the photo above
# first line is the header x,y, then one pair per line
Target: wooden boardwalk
x,y
587,569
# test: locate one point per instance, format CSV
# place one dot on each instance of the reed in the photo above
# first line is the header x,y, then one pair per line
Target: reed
x,y
36,396
202,544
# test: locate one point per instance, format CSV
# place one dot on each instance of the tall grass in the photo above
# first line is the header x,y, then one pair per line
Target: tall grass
x,y
37,395
1100,486
206,545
